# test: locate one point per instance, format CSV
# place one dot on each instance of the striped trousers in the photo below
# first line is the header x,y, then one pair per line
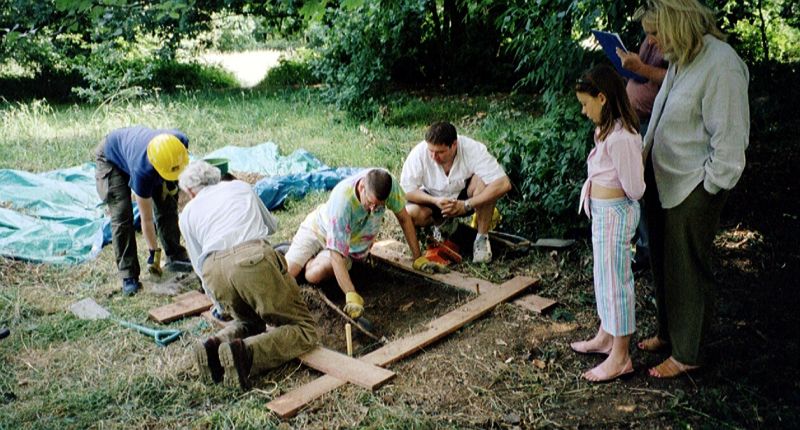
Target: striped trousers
x,y
614,222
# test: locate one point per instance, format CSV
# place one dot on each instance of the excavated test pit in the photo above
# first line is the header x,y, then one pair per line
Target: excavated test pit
x,y
395,303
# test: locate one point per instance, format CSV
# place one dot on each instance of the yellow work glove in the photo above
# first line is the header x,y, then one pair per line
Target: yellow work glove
x,y
424,265
354,304
154,262
170,188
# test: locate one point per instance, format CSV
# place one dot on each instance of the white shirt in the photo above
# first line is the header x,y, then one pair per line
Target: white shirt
x,y
700,125
472,158
222,216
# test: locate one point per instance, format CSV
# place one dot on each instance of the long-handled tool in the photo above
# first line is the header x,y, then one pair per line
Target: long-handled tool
x,y
88,309
362,324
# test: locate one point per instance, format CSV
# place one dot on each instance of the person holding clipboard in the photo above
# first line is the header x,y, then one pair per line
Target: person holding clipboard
x,y
649,64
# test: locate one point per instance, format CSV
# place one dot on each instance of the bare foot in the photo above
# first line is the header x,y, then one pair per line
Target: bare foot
x,y
591,347
609,370
670,368
653,344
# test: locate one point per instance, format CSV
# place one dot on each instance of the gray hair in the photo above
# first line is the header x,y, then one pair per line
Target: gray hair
x,y
198,175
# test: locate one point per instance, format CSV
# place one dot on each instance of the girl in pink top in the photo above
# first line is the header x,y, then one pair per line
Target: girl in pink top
x,y
609,197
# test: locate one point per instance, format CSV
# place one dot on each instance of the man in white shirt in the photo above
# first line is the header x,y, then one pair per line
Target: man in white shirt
x,y
225,227
448,176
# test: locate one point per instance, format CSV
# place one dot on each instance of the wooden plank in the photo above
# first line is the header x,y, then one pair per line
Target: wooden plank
x,y
450,322
188,304
288,404
346,368
535,303
382,252
216,322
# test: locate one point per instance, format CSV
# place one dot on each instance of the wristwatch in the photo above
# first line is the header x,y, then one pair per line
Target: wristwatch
x,y
467,206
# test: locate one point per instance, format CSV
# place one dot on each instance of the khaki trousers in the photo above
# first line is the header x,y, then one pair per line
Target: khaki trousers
x,y
251,282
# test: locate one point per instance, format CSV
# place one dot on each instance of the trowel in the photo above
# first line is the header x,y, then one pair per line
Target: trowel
x,y
88,309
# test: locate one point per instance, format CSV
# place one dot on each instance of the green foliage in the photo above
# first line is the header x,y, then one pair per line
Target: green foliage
x,y
546,39
763,30
291,71
230,32
546,168
172,75
359,47
115,77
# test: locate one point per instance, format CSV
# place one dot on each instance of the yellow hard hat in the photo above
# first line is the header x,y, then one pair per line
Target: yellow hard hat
x,y
168,155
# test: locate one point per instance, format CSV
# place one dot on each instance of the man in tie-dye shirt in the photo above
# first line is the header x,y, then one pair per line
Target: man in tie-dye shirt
x,y
345,227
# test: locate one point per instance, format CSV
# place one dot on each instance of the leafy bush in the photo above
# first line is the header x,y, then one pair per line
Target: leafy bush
x,y
172,75
121,71
291,71
359,48
547,170
228,32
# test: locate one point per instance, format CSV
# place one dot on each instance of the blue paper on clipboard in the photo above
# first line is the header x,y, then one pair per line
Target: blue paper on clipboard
x,y
610,42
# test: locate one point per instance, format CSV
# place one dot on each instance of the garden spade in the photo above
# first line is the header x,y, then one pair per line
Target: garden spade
x,y
88,309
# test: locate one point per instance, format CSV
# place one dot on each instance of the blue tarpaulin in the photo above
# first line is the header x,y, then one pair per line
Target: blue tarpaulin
x,y
52,217
57,217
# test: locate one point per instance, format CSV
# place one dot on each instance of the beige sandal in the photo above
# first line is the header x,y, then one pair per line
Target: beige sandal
x,y
671,368
653,344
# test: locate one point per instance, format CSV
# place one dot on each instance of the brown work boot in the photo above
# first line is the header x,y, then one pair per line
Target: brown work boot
x,y
206,355
237,360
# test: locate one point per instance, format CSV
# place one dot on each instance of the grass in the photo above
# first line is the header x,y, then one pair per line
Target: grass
x,y
70,373
512,368
39,136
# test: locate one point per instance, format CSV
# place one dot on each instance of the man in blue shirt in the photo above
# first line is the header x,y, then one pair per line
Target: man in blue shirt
x,y
143,163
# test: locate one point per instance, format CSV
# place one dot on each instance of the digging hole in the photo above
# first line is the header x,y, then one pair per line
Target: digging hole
x,y
396,304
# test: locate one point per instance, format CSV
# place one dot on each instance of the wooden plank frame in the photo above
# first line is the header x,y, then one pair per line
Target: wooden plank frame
x,y
346,368
382,251
288,404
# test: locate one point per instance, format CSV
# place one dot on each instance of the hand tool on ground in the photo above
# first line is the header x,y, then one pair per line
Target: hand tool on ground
x,y
437,256
88,309
362,324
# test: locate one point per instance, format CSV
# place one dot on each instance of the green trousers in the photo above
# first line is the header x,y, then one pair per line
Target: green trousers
x,y
681,243
251,281
113,189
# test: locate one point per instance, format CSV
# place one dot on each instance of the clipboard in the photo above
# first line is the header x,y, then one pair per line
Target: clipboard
x,y
610,42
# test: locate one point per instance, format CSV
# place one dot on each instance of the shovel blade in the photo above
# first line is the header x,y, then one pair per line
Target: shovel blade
x,y
88,309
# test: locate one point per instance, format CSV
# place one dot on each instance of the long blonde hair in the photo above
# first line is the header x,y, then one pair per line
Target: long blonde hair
x,y
681,25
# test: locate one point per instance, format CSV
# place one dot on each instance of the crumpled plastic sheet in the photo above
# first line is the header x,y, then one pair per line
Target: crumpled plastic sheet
x,y
56,217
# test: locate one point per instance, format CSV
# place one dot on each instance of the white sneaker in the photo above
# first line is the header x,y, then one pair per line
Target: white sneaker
x,y
481,249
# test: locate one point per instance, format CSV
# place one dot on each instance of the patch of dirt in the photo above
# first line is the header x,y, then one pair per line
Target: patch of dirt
x,y
515,369
395,306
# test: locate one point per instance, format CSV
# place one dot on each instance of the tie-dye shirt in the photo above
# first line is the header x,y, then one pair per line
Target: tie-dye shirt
x,y
345,225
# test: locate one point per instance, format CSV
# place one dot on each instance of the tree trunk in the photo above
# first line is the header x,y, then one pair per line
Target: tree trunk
x,y
763,27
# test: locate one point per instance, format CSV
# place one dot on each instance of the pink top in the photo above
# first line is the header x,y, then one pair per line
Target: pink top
x,y
642,94
615,162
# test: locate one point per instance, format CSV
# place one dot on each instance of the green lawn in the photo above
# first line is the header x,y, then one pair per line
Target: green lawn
x,y
60,372
513,367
